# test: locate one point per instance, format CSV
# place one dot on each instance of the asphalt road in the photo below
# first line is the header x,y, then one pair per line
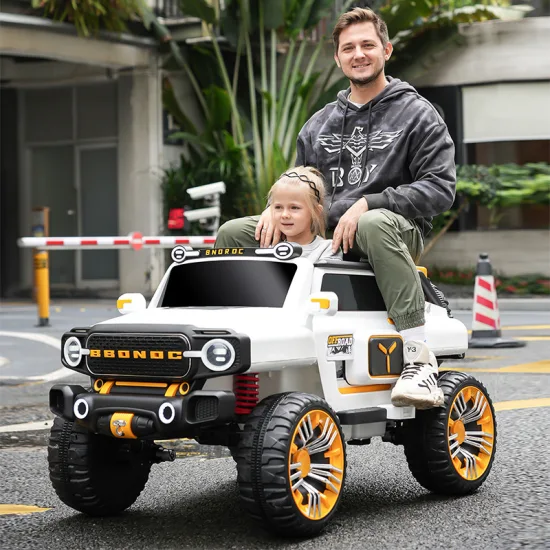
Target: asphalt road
x,y
193,502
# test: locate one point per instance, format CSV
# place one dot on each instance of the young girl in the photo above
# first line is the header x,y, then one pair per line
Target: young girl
x,y
296,201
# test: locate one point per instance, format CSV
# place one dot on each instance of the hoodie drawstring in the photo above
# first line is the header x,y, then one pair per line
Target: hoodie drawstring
x,y
364,164
339,155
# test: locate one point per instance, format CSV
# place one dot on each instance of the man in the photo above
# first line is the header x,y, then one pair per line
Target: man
x,y
388,161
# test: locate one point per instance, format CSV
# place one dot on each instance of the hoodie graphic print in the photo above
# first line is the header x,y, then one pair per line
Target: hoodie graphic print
x,y
395,151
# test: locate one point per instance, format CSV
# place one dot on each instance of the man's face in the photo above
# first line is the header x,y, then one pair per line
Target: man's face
x,y
361,55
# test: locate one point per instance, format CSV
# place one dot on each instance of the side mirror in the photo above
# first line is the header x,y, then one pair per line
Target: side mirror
x,y
323,303
131,302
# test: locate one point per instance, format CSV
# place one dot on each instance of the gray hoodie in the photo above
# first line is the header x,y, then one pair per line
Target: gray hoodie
x,y
395,151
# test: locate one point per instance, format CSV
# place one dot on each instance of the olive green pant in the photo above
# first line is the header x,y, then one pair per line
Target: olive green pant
x,y
392,245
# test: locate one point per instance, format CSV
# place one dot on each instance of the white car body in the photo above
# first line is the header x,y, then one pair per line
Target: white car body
x,y
292,346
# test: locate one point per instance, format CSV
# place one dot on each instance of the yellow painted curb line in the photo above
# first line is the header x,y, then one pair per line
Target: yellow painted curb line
x,y
527,327
522,404
538,367
19,509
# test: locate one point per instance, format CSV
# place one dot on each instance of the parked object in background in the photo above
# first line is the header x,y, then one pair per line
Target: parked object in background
x,y
486,332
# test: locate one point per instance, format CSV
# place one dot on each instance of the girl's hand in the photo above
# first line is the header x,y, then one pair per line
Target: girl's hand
x,y
266,232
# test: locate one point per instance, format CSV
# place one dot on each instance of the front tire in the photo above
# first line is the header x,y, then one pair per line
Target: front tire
x,y
95,474
450,449
291,464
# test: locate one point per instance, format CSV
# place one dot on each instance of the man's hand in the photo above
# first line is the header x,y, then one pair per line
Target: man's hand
x,y
266,232
344,234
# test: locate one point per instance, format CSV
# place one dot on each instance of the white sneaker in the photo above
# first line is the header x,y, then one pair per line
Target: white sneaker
x,y
417,385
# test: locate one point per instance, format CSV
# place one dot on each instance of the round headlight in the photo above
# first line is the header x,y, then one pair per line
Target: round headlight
x,y
72,351
218,355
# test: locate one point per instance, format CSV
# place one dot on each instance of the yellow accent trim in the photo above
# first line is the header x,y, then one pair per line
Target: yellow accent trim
x,y
335,455
124,431
364,389
143,384
120,303
184,388
172,390
472,394
106,388
392,348
422,270
98,384
324,303
522,404
19,509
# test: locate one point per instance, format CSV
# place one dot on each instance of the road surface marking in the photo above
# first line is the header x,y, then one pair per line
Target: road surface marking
x,y
538,367
4,361
27,427
527,327
532,338
522,404
12,509
44,339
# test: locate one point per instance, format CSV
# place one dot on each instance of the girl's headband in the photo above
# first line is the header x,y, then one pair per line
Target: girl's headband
x,y
305,179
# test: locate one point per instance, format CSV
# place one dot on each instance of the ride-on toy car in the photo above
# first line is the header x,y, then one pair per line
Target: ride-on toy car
x,y
280,360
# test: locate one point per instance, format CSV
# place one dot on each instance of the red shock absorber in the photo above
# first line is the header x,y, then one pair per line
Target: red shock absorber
x,y
247,389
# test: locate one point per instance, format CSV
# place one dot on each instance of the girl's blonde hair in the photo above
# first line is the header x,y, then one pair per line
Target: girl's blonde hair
x,y
311,181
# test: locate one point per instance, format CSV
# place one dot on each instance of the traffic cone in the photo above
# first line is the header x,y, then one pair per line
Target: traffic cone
x,y
486,332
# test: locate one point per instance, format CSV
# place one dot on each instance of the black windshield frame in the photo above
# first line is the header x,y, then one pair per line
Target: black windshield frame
x,y
228,283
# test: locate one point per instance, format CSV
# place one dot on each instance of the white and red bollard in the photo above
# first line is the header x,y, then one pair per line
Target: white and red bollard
x,y
486,332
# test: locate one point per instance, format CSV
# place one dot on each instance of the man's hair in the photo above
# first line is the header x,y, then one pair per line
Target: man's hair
x,y
314,189
360,15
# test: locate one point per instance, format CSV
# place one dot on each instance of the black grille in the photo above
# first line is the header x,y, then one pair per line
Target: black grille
x,y
140,350
206,408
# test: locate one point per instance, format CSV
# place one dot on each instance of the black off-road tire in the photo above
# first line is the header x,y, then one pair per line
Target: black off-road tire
x,y
263,466
427,444
95,474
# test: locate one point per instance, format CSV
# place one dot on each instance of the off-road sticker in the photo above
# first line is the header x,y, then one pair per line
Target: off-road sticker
x,y
340,346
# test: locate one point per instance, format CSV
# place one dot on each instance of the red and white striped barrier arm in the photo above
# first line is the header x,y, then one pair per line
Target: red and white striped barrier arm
x,y
135,241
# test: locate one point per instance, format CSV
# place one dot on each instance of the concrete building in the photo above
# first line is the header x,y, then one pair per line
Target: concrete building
x,y
82,134
493,88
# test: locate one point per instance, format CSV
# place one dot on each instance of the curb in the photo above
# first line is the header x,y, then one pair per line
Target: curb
x,y
505,304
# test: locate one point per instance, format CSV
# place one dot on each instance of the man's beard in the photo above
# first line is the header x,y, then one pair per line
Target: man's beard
x,y
364,82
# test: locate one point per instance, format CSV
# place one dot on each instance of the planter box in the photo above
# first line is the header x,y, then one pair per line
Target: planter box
x,y
512,252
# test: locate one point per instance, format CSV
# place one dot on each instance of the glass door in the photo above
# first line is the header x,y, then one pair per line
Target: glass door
x,y
98,185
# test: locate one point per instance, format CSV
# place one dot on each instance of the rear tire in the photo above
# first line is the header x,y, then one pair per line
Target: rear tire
x,y
95,474
450,449
291,464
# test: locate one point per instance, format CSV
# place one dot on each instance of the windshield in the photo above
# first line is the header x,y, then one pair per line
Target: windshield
x,y
228,283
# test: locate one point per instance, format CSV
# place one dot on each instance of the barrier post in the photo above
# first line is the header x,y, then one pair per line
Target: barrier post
x,y
42,279
40,227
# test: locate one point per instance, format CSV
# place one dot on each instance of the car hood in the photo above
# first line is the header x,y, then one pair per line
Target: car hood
x,y
275,334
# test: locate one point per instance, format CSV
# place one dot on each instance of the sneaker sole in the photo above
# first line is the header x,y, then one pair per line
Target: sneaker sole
x,y
419,402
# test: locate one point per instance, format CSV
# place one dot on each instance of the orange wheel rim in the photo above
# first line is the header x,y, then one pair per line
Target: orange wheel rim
x,y
316,464
471,433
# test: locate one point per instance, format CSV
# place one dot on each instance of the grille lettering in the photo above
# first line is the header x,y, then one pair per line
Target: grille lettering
x,y
136,354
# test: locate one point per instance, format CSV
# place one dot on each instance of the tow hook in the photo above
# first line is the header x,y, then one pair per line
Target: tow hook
x,y
163,455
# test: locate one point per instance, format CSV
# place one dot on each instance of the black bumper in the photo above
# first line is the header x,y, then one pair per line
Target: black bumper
x,y
186,415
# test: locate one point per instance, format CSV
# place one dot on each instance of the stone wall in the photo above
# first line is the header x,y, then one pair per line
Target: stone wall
x,y
514,252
